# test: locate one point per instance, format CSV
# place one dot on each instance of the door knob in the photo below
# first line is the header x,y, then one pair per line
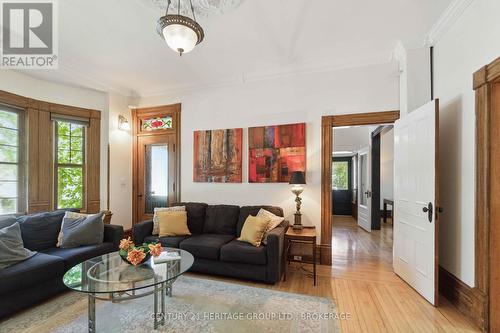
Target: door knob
x,y
428,210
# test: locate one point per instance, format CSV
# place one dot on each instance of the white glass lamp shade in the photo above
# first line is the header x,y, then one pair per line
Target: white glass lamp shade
x,y
180,38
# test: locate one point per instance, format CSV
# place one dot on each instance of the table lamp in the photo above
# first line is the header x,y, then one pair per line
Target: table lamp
x,y
297,180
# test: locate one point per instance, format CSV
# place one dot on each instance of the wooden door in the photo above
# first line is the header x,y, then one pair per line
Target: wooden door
x,y
364,189
155,177
156,159
416,200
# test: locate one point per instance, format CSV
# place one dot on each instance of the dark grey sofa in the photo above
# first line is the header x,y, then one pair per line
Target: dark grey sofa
x,y
40,276
213,243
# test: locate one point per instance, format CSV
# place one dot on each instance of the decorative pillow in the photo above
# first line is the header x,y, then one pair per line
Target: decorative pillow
x,y
7,221
12,248
173,223
80,231
40,231
253,230
274,221
156,228
74,215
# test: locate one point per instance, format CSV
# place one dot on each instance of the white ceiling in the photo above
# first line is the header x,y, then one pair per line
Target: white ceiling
x,y
113,45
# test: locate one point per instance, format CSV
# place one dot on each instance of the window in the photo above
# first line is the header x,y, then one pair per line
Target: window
x,y
340,175
12,192
156,123
69,164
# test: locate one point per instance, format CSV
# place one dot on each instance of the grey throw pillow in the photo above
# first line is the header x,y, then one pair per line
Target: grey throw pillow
x,y
80,231
7,220
12,248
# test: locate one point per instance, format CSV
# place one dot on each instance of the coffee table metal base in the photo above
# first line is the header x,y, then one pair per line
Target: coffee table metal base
x,y
159,292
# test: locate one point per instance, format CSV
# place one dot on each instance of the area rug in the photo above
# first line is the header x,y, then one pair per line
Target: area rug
x,y
197,305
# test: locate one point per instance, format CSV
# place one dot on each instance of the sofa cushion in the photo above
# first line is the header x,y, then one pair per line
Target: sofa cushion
x,y
40,230
76,255
221,219
205,246
31,272
12,250
172,241
243,252
81,231
196,212
253,210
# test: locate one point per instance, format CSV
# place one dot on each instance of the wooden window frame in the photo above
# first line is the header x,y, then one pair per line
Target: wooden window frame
x,y
40,151
327,125
21,159
57,165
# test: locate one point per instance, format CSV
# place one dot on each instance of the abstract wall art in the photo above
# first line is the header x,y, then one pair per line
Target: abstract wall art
x,y
274,152
217,156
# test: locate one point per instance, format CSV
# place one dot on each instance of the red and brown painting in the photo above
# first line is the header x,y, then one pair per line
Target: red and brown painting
x,y
217,156
275,152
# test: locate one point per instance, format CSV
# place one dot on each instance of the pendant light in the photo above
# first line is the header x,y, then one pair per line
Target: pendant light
x,y
180,32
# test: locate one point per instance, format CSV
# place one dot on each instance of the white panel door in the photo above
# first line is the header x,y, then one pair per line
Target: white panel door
x,y
364,189
415,199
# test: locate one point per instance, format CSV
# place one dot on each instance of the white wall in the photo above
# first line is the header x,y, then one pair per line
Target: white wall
x,y
386,166
120,144
472,42
25,85
302,98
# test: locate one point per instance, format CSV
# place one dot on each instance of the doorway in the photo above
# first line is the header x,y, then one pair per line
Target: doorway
x,y
156,159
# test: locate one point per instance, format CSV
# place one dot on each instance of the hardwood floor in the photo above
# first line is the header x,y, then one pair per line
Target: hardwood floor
x,y
363,285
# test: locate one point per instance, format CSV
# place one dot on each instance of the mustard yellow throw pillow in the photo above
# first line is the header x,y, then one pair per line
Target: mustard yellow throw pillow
x,y
253,230
173,223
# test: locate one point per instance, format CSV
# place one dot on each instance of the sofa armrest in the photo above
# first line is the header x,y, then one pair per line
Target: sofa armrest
x,y
275,251
113,233
141,231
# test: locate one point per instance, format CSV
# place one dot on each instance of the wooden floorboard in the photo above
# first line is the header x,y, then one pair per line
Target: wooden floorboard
x,y
362,283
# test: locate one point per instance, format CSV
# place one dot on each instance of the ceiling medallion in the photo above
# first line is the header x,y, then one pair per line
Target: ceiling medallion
x,y
180,32
202,8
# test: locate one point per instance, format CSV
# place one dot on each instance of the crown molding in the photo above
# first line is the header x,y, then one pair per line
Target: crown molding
x,y
446,21
244,78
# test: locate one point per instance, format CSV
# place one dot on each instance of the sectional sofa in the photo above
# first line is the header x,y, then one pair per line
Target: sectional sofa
x,y
214,229
40,277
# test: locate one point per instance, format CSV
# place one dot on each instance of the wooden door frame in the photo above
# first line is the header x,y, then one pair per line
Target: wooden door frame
x,y
137,115
486,227
327,125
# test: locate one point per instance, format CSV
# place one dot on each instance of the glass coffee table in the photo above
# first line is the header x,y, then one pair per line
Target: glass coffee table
x,y
109,278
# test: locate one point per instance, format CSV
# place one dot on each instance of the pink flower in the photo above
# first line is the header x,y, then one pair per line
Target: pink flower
x,y
126,244
155,249
136,256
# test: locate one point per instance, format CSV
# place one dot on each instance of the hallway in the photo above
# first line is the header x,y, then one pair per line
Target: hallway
x,y
365,285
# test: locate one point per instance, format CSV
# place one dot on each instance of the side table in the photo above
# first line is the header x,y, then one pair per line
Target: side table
x,y
306,235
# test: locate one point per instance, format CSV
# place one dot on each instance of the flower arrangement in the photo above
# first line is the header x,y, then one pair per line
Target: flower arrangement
x,y
137,255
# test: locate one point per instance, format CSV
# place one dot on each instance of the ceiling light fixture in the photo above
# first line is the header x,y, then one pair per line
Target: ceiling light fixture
x,y
180,32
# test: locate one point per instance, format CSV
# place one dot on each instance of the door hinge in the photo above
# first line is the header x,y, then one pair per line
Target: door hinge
x,y
174,186
174,147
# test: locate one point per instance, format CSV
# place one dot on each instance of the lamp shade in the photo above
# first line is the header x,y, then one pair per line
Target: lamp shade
x,y
298,178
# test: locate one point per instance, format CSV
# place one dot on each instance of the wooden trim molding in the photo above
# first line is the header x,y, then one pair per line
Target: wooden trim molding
x,y
469,301
40,151
327,124
481,302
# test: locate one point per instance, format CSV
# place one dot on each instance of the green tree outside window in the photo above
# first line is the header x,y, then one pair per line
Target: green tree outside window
x,y
340,175
70,143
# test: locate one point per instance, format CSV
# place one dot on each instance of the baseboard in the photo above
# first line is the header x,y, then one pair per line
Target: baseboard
x,y
471,302
325,254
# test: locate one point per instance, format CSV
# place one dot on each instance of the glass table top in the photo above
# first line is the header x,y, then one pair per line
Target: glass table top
x,y
109,273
